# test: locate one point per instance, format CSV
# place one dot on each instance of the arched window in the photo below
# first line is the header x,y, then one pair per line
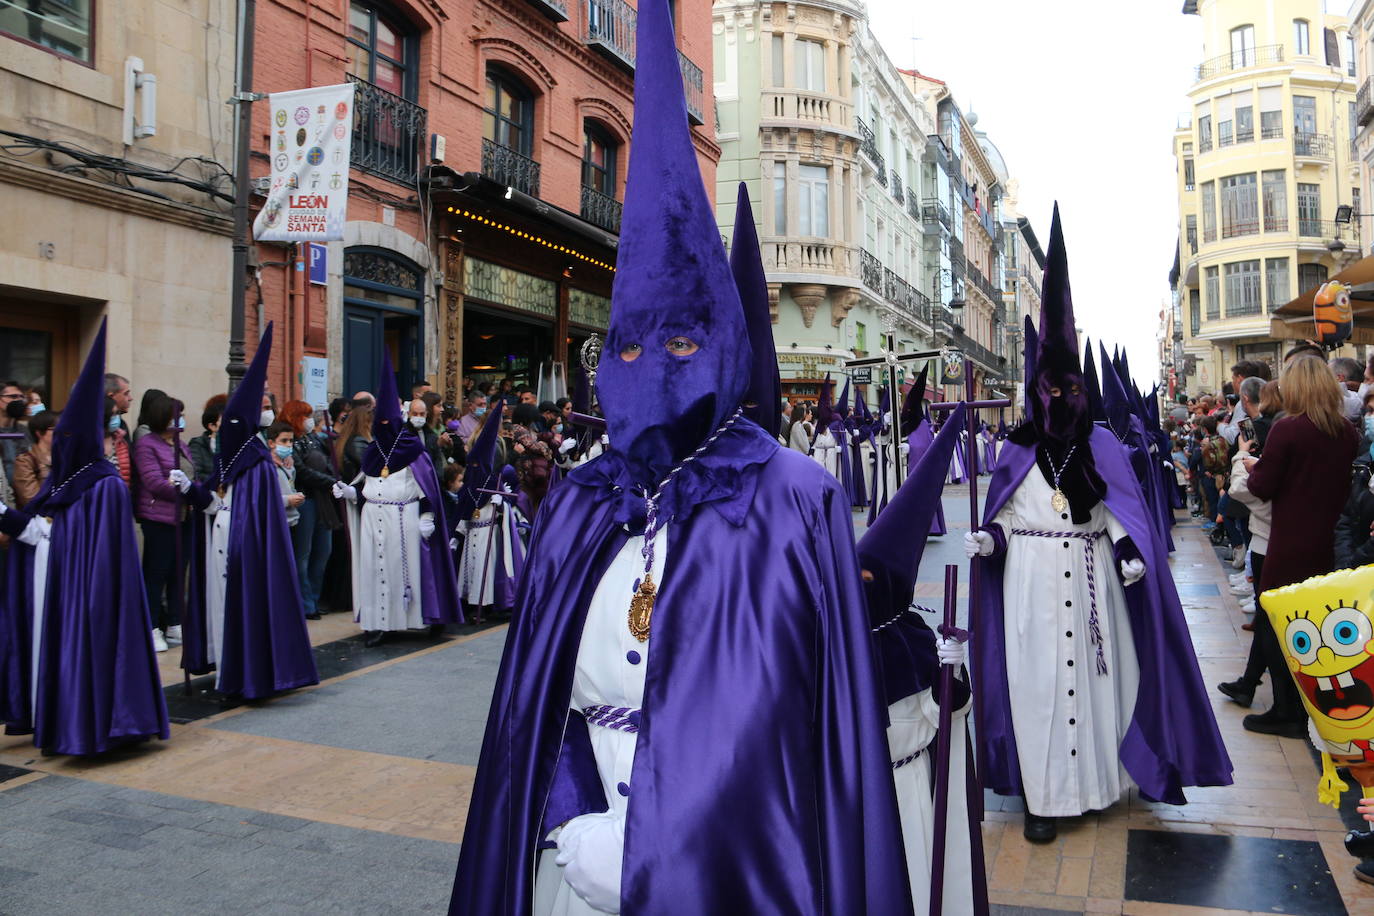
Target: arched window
x,y
508,117
599,153
382,49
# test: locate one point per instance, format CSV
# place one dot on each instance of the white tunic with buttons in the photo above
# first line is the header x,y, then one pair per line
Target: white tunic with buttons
x,y
490,540
611,667
386,553
217,569
1069,720
827,452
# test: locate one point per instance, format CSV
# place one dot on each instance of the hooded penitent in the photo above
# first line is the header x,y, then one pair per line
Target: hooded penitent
x,y
395,444
265,645
1029,346
1172,740
773,648
1092,385
77,603
919,435
763,401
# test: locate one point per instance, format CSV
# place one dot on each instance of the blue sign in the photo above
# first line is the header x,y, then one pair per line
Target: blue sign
x,y
318,258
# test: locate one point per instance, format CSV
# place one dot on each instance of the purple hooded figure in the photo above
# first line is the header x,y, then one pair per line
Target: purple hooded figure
x,y
244,620
1086,678
493,555
918,438
77,666
763,402
907,653
689,606
1128,428
402,569
825,446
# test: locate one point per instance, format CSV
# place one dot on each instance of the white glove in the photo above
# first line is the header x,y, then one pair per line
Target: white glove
x,y
426,525
950,651
1132,571
179,480
497,500
978,544
452,543
887,418
591,848
35,531
567,446
216,505
605,439
343,490
904,449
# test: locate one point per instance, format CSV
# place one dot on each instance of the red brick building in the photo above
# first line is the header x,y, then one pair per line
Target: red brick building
x,y
490,144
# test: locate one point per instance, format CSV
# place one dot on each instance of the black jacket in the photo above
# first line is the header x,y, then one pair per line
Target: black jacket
x,y
1354,545
202,456
315,478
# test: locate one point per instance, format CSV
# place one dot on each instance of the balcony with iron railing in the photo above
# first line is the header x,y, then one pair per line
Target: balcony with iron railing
x,y
557,10
984,286
1326,229
933,211
1234,228
870,271
868,145
896,188
601,210
956,258
1239,60
388,133
1271,224
913,205
693,81
505,166
1272,132
1364,103
1312,146
610,29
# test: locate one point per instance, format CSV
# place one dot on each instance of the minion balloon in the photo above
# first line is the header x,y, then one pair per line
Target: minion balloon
x,y
1332,314
1325,626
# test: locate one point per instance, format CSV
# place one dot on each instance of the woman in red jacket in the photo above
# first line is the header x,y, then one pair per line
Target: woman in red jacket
x,y
1305,475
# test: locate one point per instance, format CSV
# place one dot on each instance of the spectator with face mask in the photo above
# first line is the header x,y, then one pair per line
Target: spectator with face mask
x,y
312,536
417,416
474,410
204,447
32,467
12,418
159,509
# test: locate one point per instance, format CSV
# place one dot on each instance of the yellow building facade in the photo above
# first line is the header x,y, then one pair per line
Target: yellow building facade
x,y
1264,160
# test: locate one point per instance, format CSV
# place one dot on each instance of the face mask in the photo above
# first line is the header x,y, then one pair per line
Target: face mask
x,y
16,410
181,422
417,422
266,419
114,423
1369,427
479,411
309,424
558,427
283,451
36,409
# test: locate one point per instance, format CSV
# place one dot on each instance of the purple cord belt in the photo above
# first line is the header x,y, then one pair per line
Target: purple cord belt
x,y
1089,539
898,764
619,718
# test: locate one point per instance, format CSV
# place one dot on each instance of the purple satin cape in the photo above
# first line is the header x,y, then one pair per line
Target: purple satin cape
x,y
918,440
98,683
761,778
266,643
1172,741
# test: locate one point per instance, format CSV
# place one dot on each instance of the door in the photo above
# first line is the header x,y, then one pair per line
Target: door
x,y
1242,46
383,307
362,349
40,347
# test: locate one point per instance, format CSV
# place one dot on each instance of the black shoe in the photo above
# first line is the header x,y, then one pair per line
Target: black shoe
x,y
373,638
1040,829
314,616
1360,844
1274,723
1365,872
1239,692
436,631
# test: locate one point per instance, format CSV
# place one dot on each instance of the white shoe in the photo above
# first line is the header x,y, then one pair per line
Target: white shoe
x,y
1238,558
159,644
1239,578
1248,607
1242,589
173,636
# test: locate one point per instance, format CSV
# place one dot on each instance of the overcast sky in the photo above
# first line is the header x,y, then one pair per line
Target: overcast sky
x,y
1082,98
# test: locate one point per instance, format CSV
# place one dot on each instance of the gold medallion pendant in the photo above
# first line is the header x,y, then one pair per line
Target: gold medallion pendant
x,y
642,608
1059,502
386,472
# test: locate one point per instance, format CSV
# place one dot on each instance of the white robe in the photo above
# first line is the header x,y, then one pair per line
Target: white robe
x,y
1068,719
489,540
605,677
41,568
913,722
386,553
826,452
217,572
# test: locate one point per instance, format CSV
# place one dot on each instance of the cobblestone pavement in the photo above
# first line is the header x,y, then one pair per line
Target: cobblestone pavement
x,y
350,797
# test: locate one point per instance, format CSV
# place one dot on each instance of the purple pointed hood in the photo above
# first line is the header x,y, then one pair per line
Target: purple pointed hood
x,y
239,425
825,404
1029,346
1115,402
887,550
1091,385
677,356
394,443
746,263
79,437
842,412
913,408
1061,418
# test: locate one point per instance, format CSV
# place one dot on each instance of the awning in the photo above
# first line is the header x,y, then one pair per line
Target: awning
x,y
1293,320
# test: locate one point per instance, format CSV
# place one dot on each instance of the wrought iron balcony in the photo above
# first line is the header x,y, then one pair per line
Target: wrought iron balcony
x,y
1312,146
870,271
388,133
692,82
897,188
1272,132
505,166
913,206
610,28
1204,145
933,211
601,210
1233,228
1364,104
956,258
1239,60
1271,224
984,285
557,10
868,145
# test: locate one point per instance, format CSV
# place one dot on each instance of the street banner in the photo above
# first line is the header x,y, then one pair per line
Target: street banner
x,y
312,132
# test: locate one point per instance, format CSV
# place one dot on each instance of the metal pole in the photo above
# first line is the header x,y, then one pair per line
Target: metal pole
x,y
243,98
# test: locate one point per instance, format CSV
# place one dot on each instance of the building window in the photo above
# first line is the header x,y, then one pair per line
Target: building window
x,y
1275,192
1242,288
508,118
814,201
1213,294
1245,123
1310,276
1226,134
860,337
381,50
1239,206
1309,209
1355,201
1194,312
1271,125
63,26
779,201
1352,120
1204,133
779,72
1349,55
598,159
808,64
1304,115
1209,211
1242,46
1276,282
1302,40
1188,175
1191,223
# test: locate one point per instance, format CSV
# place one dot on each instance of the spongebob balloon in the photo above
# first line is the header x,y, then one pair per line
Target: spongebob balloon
x,y
1326,628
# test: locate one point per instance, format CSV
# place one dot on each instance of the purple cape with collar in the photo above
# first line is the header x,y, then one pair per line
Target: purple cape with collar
x,y
918,440
98,683
266,644
1172,741
761,779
